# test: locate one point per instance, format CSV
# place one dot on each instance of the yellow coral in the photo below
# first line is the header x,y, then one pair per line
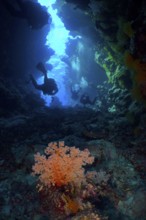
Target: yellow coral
x,y
61,165
137,67
71,206
139,75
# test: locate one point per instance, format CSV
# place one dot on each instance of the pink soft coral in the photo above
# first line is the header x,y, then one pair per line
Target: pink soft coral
x,y
61,165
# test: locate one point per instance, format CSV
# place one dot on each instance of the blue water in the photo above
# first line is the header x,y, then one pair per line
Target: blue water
x,y
57,38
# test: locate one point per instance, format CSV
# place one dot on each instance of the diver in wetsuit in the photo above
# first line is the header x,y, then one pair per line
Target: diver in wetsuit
x,y
75,91
33,12
49,87
85,100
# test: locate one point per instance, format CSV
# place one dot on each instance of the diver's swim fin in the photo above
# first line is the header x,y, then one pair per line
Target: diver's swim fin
x,y
40,66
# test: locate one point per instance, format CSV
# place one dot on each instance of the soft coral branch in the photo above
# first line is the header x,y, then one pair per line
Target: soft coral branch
x,y
61,165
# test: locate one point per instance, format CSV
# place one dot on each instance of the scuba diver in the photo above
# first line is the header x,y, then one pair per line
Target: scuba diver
x,y
49,87
33,12
85,99
75,91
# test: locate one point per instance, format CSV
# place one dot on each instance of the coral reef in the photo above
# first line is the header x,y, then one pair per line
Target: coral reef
x,y
62,179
